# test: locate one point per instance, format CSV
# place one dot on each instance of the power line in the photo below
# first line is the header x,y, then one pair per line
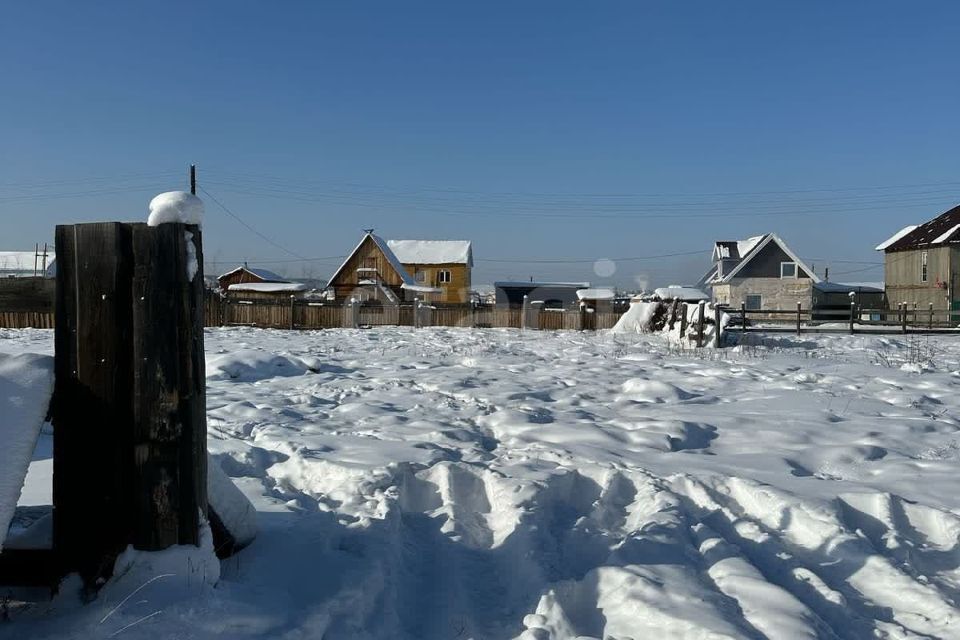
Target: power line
x,y
261,178
249,228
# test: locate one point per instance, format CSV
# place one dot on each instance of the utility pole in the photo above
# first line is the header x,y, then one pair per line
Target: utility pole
x,y
193,179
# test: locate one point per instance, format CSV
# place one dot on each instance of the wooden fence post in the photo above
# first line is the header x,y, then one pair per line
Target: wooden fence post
x,y
92,409
683,319
130,410
931,317
700,324
743,317
716,325
524,312
169,401
292,303
798,317
853,313
903,318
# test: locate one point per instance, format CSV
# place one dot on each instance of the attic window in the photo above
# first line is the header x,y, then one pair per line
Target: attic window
x,y
788,269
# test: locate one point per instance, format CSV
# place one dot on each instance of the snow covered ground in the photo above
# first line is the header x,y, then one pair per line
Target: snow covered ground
x,y
496,484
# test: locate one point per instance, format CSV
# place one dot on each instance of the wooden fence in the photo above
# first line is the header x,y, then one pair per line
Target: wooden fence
x,y
301,314
856,319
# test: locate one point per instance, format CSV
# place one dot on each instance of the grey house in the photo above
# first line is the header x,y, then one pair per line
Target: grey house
x,y
761,272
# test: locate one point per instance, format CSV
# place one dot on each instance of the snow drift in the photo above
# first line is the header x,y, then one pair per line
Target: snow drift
x,y
26,384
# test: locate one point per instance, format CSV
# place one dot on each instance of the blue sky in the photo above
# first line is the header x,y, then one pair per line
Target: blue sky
x,y
543,131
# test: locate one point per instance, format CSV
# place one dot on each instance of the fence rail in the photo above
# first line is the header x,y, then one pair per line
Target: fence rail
x,y
855,319
302,314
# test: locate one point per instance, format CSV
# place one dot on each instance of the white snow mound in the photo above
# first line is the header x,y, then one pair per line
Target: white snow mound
x,y
26,384
175,206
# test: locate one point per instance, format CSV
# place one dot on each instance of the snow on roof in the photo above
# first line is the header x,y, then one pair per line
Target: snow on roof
x,y
939,230
525,283
899,234
266,275
680,293
845,287
945,236
735,248
596,294
268,287
21,264
394,261
755,251
432,251
420,288
175,206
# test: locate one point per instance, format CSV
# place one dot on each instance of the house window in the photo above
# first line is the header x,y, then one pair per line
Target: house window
x,y
421,276
443,277
753,302
788,269
923,266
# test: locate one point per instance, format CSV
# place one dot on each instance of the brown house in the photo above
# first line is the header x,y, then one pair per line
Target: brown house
x,y
922,264
247,275
440,264
372,272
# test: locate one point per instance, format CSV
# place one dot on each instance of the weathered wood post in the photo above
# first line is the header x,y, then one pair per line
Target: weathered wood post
x,y
798,317
416,313
930,323
700,324
293,300
743,317
716,325
853,314
583,317
903,319
129,411
524,312
683,320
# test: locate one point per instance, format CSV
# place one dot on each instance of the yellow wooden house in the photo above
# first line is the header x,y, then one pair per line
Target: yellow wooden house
x,y
429,270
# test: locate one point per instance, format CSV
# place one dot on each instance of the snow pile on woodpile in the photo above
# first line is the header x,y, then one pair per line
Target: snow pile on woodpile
x,y
680,321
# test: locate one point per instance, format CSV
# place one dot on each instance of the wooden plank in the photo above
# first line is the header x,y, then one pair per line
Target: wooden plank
x,y
169,422
91,408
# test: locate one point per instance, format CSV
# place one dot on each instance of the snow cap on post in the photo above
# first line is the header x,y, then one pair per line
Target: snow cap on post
x,y
175,206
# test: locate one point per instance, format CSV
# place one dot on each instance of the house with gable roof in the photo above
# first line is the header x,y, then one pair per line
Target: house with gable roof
x,y
248,275
373,272
761,272
922,263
